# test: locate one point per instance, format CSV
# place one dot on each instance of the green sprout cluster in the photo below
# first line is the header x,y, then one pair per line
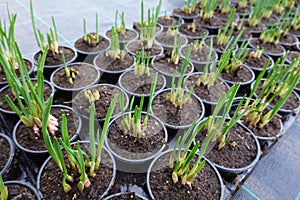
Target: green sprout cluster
x,y
224,34
114,50
147,28
91,38
122,28
189,6
78,158
3,190
175,51
258,12
208,8
71,73
141,64
91,96
225,6
132,123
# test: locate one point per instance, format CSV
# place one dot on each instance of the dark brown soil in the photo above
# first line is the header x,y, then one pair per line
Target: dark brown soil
x,y
56,59
108,63
246,34
185,30
292,55
224,16
272,129
175,116
198,56
218,48
136,26
205,186
126,196
242,11
164,64
168,40
133,148
239,156
5,151
26,138
138,45
180,12
211,94
256,62
141,84
86,75
295,32
262,25
124,37
107,92
270,48
168,21
102,45
211,22
2,73
288,39
291,103
99,183
242,74
18,191
3,104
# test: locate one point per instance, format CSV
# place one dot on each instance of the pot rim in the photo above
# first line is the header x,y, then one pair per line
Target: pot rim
x,y
11,153
92,53
137,41
26,184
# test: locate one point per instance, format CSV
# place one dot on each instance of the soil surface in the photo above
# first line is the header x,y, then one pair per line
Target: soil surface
x,y
167,21
56,59
52,174
164,64
107,92
199,56
292,55
130,147
26,137
125,196
211,22
168,40
269,48
3,104
211,94
295,32
256,63
138,45
108,63
127,36
288,39
167,112
224,16
83,46
205,186
136,26
242,11
2,72
180,12
239,151
86,76
140,84
242,74
219,48
187,31
17,191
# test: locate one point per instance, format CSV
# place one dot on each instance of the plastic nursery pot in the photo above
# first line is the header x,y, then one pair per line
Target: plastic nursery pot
x,y
111,68
34,146
7,149
223,158
292,55
191,33
167,69
7,112
199,59
213,92
87,52
106,91
208,180
124,38
127,149
22,190
255,43
136,26
54,62
169,20
187,17
125,195
51,172
137,86
243,12
137,45
289,41
167,41
257,64
270,133
87,75
29,65
220,49
166,111
285,112
212,25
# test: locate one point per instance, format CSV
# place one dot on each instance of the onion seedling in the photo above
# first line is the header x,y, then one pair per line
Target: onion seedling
x,y
225,6
225,33
29,97
208,8
189,6
71,73
141,64
91,96
175,51
132,124
114,50
91,38
295,21
3,190
258,11
122,28
178,96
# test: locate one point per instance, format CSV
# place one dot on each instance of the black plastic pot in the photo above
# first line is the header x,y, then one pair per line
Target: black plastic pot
x,y
169,47
88,57
130,195
123,42
289,46
156,165
6,167
213,30
26,185
172,19
48,69
220,52
141,161
102,161
138,43
185,17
